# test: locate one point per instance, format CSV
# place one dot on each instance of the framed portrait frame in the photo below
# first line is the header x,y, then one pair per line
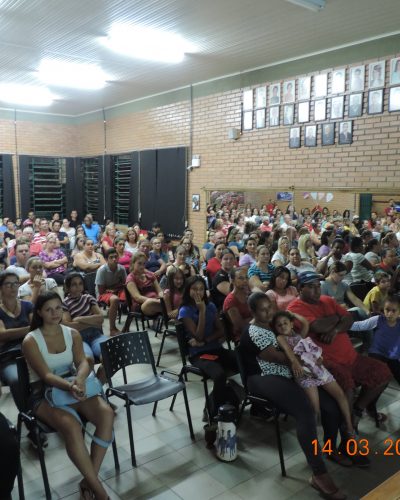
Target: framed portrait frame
x,y
247,120
303,112
260,118
274,116
304,88
289,91
375,102
328,134
195,203
261,97
294,137
320,110
274,94
247,100
355,105
338,81
357,79
288,114
337,107
310,136
395,71
376,75
321,85
346,132
394,99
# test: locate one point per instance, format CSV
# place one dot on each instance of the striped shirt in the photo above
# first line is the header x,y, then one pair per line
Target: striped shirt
x,y
79,306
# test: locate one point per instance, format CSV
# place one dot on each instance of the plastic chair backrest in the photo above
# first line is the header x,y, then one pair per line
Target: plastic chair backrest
x,y
124,350
241,365
182,341
23,388
164,312
128,299
89,280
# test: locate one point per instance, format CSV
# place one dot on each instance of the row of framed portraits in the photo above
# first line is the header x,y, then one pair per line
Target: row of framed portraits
x,y
334,107
285,93
328,135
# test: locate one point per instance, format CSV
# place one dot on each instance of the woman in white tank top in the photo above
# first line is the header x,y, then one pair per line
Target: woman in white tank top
x,y
51,351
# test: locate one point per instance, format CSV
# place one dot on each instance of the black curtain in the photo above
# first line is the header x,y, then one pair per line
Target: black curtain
x,y
24,185
74,187
9,208
133,214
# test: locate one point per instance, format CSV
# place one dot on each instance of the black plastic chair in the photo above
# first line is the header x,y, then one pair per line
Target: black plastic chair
x,y
228,329
36,426
168,332
21,492
137,316
261,401
134,348
184,353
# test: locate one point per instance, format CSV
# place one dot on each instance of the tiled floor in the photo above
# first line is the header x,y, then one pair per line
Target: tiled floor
x,y
172,467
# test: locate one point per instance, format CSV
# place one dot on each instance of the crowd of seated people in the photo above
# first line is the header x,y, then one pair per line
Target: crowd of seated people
x,y
338,275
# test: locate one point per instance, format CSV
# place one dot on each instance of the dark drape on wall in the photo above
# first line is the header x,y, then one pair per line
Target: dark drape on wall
x,y
170,200
148,188
133,214
106,187
24,184
74,187
9,187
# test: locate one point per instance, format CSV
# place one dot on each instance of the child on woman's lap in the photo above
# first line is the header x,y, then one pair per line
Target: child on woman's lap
x,y
307,364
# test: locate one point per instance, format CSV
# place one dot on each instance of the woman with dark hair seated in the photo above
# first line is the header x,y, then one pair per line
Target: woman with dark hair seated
x,y
235,304
221,283
205,333
270,376
82,312
124,257
280,291
193,255
143,287
53,352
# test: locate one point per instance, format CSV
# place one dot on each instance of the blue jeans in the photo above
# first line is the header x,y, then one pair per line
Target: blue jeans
x,y
92,337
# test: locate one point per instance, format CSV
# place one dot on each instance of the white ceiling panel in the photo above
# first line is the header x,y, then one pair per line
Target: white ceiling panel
x,y
231,36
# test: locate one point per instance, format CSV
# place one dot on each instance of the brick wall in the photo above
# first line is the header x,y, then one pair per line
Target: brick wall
x,y
259,160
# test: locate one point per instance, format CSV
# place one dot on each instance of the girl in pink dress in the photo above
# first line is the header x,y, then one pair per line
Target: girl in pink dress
x,y
307,366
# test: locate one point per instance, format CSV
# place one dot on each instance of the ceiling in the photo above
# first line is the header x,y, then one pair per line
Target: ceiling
x,y
231,36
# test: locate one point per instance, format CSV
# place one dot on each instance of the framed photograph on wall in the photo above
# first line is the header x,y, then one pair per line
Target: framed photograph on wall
x,y
395,71
310,136
357,78
294,137
376,77
247,99
346,132
260,118
321,85
195,202
289,91
274,116
328,134
304,88
304,112
247,120
338,81
275,94
355,105
375,102
337,107
288,114
394,99
320,110
261,97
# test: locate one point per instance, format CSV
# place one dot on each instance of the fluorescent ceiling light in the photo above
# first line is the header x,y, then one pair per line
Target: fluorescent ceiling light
x,y
25,95
71,74
147,43
314,5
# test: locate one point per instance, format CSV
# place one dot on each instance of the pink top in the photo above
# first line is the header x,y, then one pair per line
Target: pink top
x,y
282,301
175,299
56,255
125,260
